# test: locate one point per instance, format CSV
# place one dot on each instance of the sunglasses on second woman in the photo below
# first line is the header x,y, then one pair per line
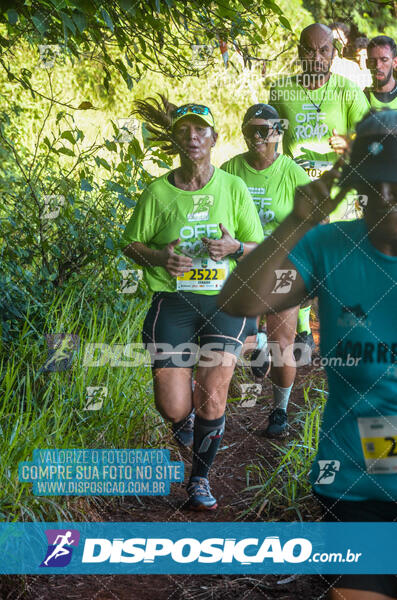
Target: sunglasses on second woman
x,y
249,131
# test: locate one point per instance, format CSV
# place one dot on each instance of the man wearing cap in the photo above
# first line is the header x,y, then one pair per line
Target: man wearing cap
x,y
352,268
188,229
272,179
382,61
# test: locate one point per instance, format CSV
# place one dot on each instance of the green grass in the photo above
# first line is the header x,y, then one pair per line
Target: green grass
x,y
281,489
42,409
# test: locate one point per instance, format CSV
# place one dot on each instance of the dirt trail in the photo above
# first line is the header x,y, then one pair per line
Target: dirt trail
x,y
242,443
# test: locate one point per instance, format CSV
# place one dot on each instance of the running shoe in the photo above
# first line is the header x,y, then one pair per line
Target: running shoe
x,y
304,338
183,434
277,423
200,497
262,358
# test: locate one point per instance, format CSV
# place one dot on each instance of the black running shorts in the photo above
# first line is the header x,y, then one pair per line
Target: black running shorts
x,y
360,511
180,325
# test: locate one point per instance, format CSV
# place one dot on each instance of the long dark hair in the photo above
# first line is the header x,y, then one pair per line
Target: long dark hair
x,y
156,115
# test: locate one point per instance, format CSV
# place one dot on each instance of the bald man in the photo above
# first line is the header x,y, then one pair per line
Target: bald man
x,y
321,107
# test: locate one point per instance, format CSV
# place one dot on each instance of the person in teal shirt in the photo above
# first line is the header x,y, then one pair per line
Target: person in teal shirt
x,y
351,267
187,231
272,179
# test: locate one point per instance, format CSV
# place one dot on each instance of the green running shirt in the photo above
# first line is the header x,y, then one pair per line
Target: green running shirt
x,y
378,104
165,213
272,189
341,102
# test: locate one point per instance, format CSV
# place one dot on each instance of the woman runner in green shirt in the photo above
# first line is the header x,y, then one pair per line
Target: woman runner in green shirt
x,y
272,179
187,231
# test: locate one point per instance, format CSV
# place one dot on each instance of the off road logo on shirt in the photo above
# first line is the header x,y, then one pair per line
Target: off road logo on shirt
x,y
191,235
201,207
200,212
310,123
262,204
193,249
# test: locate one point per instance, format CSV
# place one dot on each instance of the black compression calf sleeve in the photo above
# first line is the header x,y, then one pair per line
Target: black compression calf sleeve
x,y
207,438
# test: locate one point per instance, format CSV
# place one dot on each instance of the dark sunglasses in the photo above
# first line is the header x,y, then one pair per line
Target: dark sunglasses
x,y
198,109
249,131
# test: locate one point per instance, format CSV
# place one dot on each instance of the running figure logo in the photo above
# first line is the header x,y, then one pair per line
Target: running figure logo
x,y
59,553
61,348
328,470
285,277
201,207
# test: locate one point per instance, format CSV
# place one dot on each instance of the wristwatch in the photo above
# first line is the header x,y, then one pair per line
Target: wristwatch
x,y
238,252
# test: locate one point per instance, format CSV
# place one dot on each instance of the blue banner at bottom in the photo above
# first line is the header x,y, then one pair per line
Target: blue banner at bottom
x,y
198,548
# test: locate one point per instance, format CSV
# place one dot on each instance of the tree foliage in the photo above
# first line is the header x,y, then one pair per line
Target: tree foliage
x,y
65,197
63,209
151,34
370,17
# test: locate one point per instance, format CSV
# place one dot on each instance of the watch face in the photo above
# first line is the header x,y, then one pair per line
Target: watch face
x,y
239,252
